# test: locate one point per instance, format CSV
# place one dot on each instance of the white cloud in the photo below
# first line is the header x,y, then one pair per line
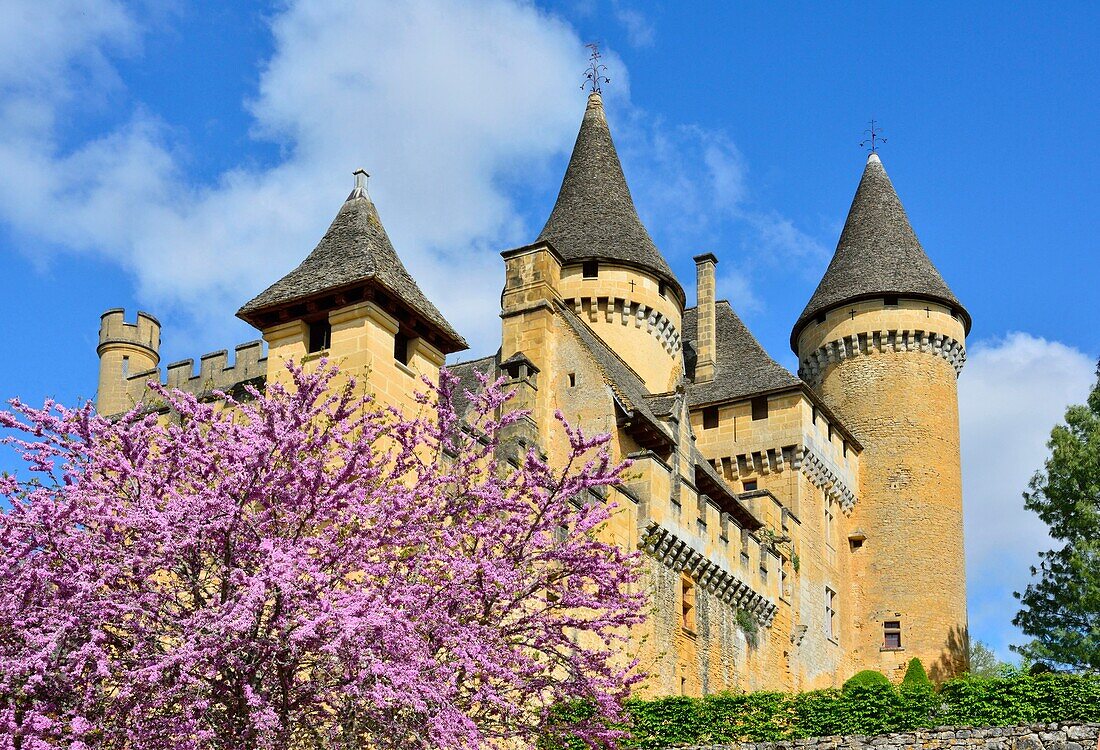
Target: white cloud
x,y
423,94
639,31
447,105
1011,393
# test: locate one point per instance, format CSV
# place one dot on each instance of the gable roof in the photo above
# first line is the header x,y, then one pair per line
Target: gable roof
x,y
878,253
743,368
594,217
355,249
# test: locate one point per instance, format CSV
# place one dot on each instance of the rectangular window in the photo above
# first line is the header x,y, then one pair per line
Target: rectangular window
x,y
830,532
749,485
572,380
891,634
710,417
760,408
320,336
125,366
590,269
820,317
661,290
687,599
401,348
830,614
890,300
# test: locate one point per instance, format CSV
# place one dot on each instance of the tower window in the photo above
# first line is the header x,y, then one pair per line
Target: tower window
x,y
831,626
572,379
687,601
891,634
125,366
661,289
320,336
749,485
890,300
820,317
590,269
710,417
760,408
401,348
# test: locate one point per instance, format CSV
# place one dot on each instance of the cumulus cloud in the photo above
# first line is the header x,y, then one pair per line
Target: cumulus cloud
x,y
1011,393
408,91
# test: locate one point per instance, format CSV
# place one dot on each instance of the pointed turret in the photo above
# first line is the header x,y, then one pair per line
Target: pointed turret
x,y
594,217
878,255
354,252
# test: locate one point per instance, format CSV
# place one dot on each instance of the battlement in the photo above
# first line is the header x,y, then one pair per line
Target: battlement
x,y
215,372
143,334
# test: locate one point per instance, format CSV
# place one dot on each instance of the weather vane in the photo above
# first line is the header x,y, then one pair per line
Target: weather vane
x,y
873,138
594,76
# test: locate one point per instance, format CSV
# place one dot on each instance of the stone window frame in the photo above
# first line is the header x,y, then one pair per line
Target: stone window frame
x,y
891,636
590,269
832,625
688,604
711,417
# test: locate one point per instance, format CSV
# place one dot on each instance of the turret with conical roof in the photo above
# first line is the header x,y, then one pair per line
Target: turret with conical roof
x,y
882,341
353,299
613,275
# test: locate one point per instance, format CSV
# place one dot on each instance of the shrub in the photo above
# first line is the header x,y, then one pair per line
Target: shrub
x,y
866,678
915,676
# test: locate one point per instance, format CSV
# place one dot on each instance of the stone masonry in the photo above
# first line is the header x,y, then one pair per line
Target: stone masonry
x,y
1056,736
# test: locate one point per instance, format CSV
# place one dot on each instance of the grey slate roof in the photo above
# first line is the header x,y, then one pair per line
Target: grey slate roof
x,y
878,253
594,217
467,378
355,249
743,367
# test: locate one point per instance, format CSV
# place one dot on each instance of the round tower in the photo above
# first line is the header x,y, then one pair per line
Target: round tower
x,y
882,341
613,276
125,350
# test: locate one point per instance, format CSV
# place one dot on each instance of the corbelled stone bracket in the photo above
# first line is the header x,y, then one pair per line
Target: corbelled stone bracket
x,y
678,555
812,367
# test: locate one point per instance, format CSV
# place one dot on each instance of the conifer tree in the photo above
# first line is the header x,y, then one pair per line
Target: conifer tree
x,y
1061,607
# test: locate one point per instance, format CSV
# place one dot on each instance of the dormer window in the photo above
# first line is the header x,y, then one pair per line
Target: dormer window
x,y
590,269
320,336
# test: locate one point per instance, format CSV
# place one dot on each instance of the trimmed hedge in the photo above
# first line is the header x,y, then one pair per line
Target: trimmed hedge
x,y
860,709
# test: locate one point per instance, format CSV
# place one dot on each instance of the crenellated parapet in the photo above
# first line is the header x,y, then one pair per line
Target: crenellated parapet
x,y
802,458
628,312
215,373
679,555
812,368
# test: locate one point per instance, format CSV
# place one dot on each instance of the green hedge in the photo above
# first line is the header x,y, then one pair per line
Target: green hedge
x,y
867,710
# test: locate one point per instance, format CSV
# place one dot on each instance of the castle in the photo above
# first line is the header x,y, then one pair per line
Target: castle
x,y
795,529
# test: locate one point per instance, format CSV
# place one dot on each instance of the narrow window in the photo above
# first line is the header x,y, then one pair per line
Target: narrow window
x,y
710,417
749,485
830,613
401,348
891,634
820,317
125,366
590,269
320,336
760,408
845,449
572,379
661,288
687,598
890,300
815,417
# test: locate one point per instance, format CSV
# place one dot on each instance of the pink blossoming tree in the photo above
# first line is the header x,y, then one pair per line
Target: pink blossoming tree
x,y
304,570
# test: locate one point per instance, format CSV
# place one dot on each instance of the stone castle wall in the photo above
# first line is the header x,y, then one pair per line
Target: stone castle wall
x,y
1057,736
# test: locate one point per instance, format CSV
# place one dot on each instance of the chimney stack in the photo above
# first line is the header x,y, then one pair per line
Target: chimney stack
x,y
705,344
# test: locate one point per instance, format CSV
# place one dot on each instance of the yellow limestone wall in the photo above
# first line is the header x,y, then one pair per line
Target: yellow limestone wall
x,y
896,390
625,308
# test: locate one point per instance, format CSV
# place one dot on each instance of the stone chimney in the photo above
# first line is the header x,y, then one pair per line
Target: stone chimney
x,y
705,344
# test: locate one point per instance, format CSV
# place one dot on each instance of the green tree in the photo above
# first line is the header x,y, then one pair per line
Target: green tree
x,y
984,662
1061,607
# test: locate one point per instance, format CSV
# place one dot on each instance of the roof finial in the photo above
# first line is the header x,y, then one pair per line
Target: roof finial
x,y
594,75
360,189
872,140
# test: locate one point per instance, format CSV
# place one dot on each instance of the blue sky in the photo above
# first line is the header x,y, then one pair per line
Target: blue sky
x,y
178,157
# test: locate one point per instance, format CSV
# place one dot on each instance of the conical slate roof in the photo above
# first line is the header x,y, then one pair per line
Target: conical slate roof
x,y
594,217
355,249
878,254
